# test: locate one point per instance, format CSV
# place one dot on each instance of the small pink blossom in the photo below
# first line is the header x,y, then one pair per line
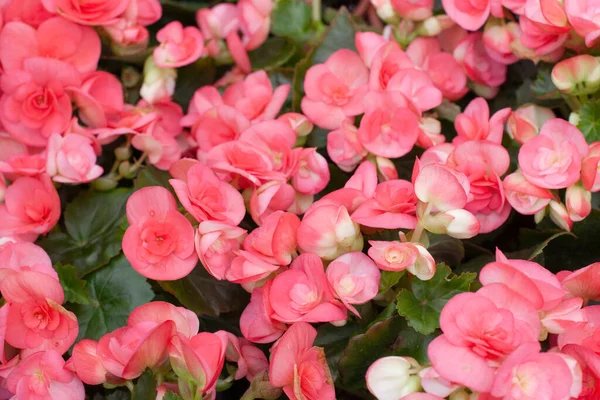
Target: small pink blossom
x,y
71,159
475,123
256,322
344,148
397,256
525,122
178,46
216,244
525,197
276,238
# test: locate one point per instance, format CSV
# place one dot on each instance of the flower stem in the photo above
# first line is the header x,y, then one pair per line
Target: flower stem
x,y
316,11
419,229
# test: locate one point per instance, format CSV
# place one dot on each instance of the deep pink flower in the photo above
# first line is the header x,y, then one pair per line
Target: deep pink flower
x,y
393,206
256,322
93,12
178,46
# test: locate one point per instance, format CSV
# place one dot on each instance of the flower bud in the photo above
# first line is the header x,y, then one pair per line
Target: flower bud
x,y
159,83
393,377
434,25
525,122
459,223
299,123
385,11
386,169
577,75
497,39
560,216
123,153
130,77
105,183
578,201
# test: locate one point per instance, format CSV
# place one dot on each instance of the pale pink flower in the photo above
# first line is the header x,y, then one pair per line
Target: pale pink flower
x,y
26,256
256,322
335,90
445,188
397,256
344,148
413,10
472,15
582,16
354,278
312,174
300,368
178,46
525,122
159,242
302,293
498,40
71,159
578,202
215,244
525,197
43,376
552,159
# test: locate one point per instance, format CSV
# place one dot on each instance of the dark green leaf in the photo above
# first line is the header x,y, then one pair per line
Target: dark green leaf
x,y
117,395
589,121
172,396
446,249
543,88
334,340
340,35
203,294
92,231
385,338
389,279
192,77
274,52
291,18
539,249
423,305
152,176
114,291
317,138
145,387
75,291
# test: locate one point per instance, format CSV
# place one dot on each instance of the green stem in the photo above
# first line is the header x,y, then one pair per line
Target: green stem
x,y
419,229
129,385
316,11
141,160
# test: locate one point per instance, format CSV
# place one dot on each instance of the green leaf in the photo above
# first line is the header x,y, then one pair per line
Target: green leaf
x,y
192,77
116,395
145,387
291,18
539,249
340,35
392,337
75,291
589,121
172,396
274,52
389,279
543,88
423,305
203,294
93,231
446,249
334,340
152,176
114,292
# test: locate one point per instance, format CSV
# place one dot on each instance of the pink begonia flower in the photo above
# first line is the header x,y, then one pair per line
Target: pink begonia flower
x,y
478,65
128,351
589,168
276,139
199,359
525,197
215,244
300,368
328,231
34,103
584,282
32,12
256,322
577,75
498,40
160,146
178,46
71,159
368,45
413,10
527,368
276,238
386,63
159,242
578,202
238,53
434,384
430,133
248,267
589,363
392,207
525,122
16,160
552,160
255,21
393,378
216,23
302,293
146,12
218,125
472,15
566,316
389,127
354,278
417,87
582,16
250,359
344,148
539,34
484,162
474,123
532,281
335,90
93,12
479,329
443,187
43,376
31,207
157,312
36,320
55,38
87,364
205,196
386,170
25,256
255,98
446,74
99,99
127,36
312,175
397,256
298,122
271,197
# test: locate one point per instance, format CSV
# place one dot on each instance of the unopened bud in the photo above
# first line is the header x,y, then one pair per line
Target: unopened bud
x,y
525,122
386,169
130,77
393,377
105,183
159,83
123,153
464,225
577,75
578,202
560,216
